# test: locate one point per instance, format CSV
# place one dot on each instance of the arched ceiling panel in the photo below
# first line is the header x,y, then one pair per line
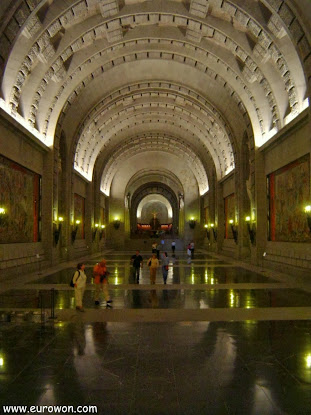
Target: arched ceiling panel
x,y
59,59
158,161
154,198
152,143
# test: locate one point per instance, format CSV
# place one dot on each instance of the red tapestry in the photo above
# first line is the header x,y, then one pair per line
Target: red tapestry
x,y
20,197
289,193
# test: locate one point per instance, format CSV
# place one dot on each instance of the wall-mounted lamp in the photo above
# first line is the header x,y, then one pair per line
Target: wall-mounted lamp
x,y
58,229
116,223
234,230
3,216
214,231
74,231
251,230
192,223
308,213
95,231
208,234
101,231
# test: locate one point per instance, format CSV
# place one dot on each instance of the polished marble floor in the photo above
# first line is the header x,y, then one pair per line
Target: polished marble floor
x,y
158,351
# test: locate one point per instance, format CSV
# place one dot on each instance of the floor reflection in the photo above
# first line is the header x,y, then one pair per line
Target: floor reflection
x,y
203,367
192,298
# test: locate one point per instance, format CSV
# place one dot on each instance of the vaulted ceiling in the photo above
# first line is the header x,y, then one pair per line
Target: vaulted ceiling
x,y
123,77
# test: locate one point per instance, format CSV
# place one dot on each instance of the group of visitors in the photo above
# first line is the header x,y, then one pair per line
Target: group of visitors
x,y
153,263
101,273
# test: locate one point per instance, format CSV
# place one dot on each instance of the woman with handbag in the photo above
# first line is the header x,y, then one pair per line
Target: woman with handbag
x,y
101,282
165,263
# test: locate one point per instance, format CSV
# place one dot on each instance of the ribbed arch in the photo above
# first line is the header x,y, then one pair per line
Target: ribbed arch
x,y
154,142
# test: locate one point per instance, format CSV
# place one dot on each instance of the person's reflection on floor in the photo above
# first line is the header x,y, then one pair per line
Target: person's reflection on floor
x,y
153,299
78,335
165,298
136,294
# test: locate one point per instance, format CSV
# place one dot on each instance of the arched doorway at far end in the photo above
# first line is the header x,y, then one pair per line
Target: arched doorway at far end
x,y
154,210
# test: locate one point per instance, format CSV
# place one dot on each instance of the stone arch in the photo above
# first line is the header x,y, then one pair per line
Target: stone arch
x,y
153,188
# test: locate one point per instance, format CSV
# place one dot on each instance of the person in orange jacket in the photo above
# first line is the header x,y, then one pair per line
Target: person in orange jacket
x,y
101,281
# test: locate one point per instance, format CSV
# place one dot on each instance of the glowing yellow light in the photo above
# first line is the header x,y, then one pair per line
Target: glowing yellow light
x,y
2,211
78,222
116,218
205,226
212,225
248,218
192,275
1,362
308,361
103,226
308,209
96,225
232,298
60,219
231,221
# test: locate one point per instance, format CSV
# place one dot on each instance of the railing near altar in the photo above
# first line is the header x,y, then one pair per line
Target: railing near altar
x,y
143,227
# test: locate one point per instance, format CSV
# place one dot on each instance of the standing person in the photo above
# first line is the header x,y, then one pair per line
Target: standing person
x,y
79,280
101,282
153,266
173,247
137,263
165,263
192,249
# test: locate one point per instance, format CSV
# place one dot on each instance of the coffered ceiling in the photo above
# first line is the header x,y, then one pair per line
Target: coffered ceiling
x,y
120,78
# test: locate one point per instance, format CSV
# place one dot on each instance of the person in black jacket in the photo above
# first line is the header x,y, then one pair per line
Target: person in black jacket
x,y
137,263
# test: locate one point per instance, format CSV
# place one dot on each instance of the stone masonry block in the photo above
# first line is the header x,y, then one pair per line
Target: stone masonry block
x,y
304,48
242,18
67,18
12,30
220,37
276,4
32,27
229,8
80,9
54,28
276,27
33,3
22,14
286,14
254,28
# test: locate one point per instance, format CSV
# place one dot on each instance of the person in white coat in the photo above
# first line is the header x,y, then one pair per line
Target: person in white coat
x,y
79,280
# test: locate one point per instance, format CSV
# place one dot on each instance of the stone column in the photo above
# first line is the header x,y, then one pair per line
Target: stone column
x,y
96,213
47,206
243,197
89,215
220,217
261,208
